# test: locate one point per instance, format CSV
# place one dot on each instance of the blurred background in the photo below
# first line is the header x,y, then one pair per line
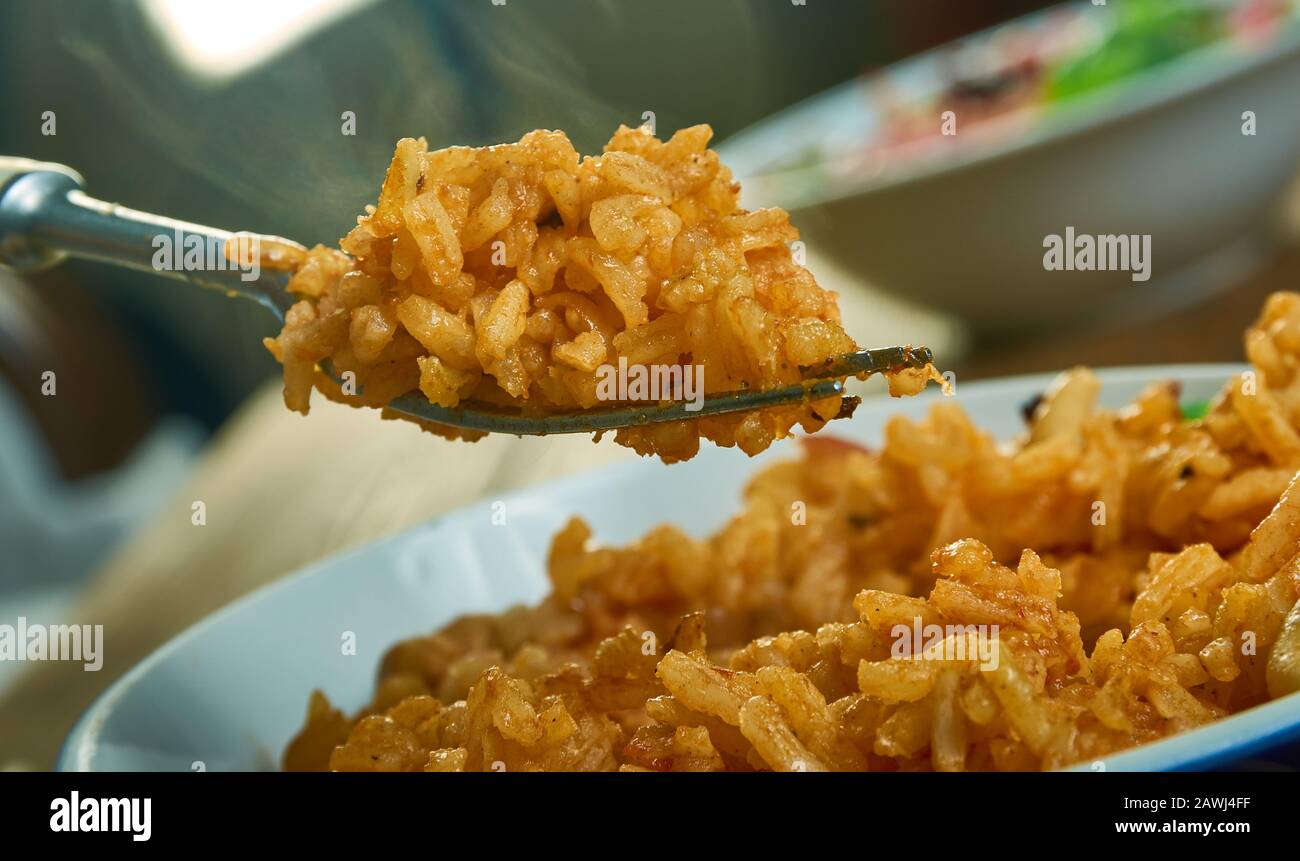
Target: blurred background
x,y
1126,117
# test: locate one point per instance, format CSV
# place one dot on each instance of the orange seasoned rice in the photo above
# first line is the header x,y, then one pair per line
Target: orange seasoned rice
x,y
510,274
1160,594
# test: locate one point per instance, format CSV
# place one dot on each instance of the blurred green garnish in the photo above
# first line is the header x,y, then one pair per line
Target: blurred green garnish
x,y
1195,410
1147,33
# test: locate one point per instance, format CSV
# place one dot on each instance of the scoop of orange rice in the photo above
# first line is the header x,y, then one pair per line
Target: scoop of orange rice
x,y
519,274
1160,594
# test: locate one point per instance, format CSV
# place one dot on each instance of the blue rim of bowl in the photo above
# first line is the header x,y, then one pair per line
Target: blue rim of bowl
x,y
1219,747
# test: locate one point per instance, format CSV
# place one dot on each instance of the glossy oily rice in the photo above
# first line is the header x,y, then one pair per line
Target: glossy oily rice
x,y
511,274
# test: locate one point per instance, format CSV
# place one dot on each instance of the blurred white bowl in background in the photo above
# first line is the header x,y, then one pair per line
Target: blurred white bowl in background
x,y
960,226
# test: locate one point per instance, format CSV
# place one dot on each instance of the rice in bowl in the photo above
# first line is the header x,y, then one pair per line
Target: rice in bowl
x,y
1160,594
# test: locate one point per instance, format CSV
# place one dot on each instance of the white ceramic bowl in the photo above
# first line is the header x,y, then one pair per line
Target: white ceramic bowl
x,y
230,692
961,228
